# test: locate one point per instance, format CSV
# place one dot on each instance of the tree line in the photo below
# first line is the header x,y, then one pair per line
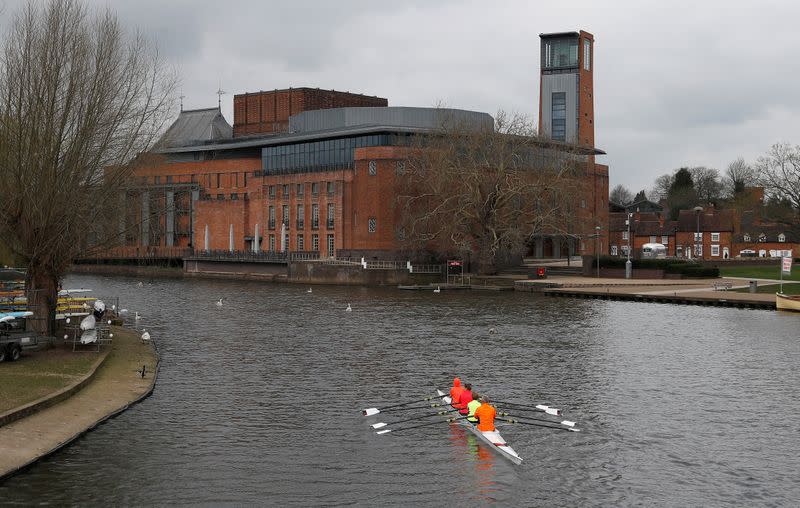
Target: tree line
x,y
777,172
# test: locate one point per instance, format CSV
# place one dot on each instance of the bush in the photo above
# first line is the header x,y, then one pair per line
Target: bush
x,y
646,264
700,272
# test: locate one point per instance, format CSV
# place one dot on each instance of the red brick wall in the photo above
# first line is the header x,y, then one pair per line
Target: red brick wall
x,y
686,239
269,111
586,93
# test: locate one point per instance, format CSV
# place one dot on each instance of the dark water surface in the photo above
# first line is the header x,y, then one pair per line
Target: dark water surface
x,y
258,402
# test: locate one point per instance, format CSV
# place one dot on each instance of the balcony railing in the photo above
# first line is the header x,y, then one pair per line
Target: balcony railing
x,y
263,256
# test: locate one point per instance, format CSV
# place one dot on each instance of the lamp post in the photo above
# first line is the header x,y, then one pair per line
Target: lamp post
x,y
697,211
597,248
628,264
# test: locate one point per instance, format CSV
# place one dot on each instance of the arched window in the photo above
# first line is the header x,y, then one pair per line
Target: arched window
x,y
746,238
781,237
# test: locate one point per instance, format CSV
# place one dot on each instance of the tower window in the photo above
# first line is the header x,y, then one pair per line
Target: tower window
x,y
559,116
587,54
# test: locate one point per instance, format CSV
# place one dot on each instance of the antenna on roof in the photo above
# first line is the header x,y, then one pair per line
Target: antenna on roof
x,y
220,93
182,97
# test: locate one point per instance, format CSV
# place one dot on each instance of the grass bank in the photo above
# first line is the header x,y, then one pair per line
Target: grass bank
x,y
759,272
789,289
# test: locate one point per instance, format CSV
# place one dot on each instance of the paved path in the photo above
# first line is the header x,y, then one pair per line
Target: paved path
x,y
115,386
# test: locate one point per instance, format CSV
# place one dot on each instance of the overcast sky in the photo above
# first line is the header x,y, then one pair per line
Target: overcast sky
x,y
676,83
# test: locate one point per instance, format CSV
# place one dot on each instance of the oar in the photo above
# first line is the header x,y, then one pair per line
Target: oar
x,y
409,408
381,424
449,420
562,422
571,429
374,410
547,409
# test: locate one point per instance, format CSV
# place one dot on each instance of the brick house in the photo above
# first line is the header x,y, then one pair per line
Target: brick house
x,y
705,233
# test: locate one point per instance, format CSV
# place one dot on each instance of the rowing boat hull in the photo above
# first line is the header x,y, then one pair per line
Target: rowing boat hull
x,y
785,302
492,439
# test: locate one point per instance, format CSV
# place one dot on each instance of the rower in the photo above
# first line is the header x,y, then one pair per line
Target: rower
x,y
455,392
474,404
485,414
464,399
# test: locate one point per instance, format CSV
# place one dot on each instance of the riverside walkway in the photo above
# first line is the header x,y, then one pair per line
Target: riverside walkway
x,y
42,427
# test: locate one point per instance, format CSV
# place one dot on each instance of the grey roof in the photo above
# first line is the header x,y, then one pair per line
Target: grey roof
x,y
195,127
420,118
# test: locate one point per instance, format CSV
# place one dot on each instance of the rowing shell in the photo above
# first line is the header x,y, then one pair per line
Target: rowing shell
x,y
491,438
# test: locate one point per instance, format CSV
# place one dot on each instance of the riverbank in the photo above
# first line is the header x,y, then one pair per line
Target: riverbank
x,y
43,426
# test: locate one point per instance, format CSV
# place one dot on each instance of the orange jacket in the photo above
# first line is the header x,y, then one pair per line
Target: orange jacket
x,y
455,392
485,415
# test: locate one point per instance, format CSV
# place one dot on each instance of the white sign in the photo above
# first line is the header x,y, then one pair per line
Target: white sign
x,y
786,266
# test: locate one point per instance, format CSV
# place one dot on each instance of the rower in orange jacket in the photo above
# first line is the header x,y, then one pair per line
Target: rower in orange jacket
x,y
455,392
485,415
464,399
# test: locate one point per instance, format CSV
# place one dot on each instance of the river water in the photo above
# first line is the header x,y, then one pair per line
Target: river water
x,y
258,402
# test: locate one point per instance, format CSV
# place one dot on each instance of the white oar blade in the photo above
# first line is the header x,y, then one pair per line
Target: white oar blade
x,y
552,411
371,411
568,423
384,431
378,425
574,430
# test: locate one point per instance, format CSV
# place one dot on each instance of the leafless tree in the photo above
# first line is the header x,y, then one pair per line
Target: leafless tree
x,y
661,187
707,184
487,191
779,172
738,176
80,97
620,195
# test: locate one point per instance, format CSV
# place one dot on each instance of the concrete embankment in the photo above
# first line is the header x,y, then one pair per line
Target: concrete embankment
x,y
42,427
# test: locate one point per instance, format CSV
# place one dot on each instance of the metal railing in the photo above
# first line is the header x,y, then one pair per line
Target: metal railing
x,y
140,252
264,256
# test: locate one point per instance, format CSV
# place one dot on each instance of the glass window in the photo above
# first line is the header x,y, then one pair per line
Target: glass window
x,y
714,237
373,168
315,242
560,53
272,191
624,235
372,224
314,188
587,54
781,237
715,250
665,240
331,211
285,191
559,116
314,216
330,186
301,242
746,238
300,189
272,217
331,250
272,242
285,215
613,250
698,237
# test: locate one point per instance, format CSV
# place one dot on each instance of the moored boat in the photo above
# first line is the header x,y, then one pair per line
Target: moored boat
x,y
493,439
787,302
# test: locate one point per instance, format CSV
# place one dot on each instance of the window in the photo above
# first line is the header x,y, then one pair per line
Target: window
x,y
613,250
715,250
331,250
272,242
315,243
219,177
698,250
285,191
401,168
624,250
220,197
762,237
330,188
373,168
234,196
665,240
559,116
698,237
314,188
331,211
583,203
746,238
285,242
372,224
272,191
301,217
271,223
624,235
244,177
301,242
587,54
285,215
652,239
781,237
300,189
714,237
315,216
235,180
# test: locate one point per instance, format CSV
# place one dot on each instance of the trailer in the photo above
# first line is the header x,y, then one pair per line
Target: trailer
x,y
13,337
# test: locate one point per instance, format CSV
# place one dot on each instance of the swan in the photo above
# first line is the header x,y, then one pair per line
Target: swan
x,y
145,335
348,309
219,302
140,284
309,290
137,317
437,290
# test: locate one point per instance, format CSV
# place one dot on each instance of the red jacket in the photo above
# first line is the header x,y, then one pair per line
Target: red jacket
x,y
464,399
455,392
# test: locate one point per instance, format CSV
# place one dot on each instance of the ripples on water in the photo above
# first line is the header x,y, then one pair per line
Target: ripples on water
x,y
258,402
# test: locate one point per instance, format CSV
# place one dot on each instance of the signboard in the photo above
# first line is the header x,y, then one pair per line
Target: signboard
x,y
786,266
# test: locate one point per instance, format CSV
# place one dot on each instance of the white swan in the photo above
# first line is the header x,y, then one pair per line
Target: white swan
x,y
309,290
219,302
137,317
145,336
437,290
140,284
348,309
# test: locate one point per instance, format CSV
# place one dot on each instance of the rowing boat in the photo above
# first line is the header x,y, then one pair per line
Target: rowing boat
x,y
493,439
787,302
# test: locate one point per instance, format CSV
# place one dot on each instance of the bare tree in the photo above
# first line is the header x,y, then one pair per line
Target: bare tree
x,y
662,186
707,184
79,98
779,172
738,176
487,191
620,195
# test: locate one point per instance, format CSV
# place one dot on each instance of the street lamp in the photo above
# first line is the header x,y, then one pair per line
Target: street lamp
x,y
597,248
628,264
697,211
